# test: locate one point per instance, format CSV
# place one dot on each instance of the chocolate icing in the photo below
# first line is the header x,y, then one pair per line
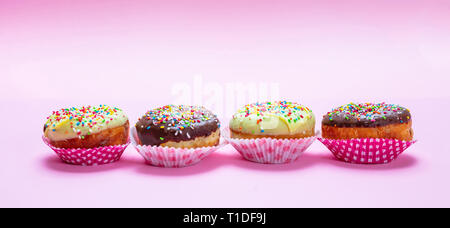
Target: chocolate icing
x,y
366,115
176,124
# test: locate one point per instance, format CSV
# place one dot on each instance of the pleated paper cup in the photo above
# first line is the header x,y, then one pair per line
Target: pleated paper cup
x,y
367,150
89,156
170,157
270,150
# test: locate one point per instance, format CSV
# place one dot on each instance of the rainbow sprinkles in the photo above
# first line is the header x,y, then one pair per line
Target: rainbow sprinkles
x,y
75,122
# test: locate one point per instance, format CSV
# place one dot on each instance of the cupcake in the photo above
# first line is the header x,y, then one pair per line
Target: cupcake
x,y
279,120
272,132
368,120
177,135
179,126
87,135
367,132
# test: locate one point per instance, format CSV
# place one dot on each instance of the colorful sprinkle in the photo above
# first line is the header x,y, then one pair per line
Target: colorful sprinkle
x,y
293,112
365,111
177,116
85,119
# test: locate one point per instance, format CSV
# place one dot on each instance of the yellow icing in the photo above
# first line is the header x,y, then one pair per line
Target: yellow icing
x,y
79,122
273,118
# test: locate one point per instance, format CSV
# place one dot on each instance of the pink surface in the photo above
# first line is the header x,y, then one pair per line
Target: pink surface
x,y
136,55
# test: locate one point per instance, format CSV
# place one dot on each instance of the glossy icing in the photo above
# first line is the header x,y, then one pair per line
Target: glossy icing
x,y
175,123
366,115
69,123
273,118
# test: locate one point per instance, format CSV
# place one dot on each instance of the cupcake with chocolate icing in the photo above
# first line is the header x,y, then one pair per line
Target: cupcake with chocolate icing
x,y
178,126
367,133
368,120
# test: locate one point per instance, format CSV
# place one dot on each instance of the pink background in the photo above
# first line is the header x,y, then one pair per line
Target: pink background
x,y
57,54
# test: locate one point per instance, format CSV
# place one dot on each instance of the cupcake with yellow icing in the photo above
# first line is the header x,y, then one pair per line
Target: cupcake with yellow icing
x,y
87,135
280,120
272,132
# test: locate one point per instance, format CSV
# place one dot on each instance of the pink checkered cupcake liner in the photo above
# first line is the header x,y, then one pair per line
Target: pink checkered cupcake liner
x,y
169,157
89,156
367,150
269,150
